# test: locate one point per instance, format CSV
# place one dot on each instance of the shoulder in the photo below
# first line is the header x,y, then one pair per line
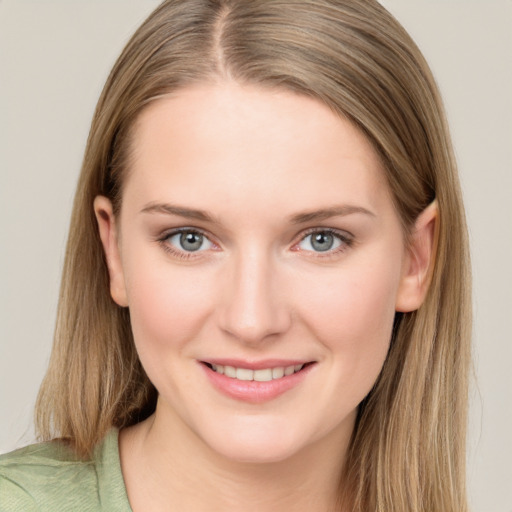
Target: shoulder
x,y
42,476
49,476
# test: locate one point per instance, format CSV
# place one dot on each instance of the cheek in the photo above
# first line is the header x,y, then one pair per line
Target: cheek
x,y
351,313
360,302
167,304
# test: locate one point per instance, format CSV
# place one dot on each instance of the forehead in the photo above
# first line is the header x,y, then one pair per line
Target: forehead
x,y
229,144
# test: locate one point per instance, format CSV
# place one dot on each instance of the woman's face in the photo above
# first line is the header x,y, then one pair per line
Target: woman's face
x,y
257,240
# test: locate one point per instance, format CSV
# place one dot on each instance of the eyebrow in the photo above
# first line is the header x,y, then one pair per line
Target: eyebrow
x,y
300,218
327,213
181,211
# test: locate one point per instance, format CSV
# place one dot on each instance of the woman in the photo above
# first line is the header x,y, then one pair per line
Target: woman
x,y
265,288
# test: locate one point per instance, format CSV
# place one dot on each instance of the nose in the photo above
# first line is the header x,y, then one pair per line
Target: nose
x,y
254,306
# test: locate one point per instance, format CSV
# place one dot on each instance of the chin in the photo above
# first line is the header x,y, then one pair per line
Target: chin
x,y
256,452
265,444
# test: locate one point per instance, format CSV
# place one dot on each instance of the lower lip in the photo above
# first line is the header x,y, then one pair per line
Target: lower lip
x,y
254,391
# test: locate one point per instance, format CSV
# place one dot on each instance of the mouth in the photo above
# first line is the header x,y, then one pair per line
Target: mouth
x,y
256,382
258,375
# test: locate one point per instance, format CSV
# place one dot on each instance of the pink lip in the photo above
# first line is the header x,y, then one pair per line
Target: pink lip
x,y
253,391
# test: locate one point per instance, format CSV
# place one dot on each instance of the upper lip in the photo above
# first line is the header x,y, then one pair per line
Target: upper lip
x,y
256,365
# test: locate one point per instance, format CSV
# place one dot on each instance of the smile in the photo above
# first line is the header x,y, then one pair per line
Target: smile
x,y
262,375
256,382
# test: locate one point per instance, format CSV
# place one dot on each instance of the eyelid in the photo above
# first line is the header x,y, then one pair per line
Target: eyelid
x,y
346,238
164,235
163,238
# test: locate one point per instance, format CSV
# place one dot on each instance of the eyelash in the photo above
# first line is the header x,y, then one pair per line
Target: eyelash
x,y
183,255
346,241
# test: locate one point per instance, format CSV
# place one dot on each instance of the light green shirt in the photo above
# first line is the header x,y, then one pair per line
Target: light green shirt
x,y
48,477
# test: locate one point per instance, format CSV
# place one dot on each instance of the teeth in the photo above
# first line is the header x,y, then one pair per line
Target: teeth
x,y
244,374
289,370
229,371
277,373
264,375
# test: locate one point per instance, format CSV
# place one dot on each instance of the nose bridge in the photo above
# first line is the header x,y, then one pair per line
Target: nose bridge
x,y
253,308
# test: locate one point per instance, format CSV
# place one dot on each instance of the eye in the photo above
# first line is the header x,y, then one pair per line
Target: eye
x,y
322,241
188,240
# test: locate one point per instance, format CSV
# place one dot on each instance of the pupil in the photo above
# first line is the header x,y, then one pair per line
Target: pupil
x,y
191,241
322,241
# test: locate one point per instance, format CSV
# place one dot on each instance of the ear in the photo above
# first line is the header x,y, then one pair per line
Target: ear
x,y
419,260
109,239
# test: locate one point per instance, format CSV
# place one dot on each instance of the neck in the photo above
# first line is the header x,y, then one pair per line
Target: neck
x,y
167,467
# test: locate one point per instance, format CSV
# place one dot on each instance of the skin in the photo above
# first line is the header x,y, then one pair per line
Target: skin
x,y
254,159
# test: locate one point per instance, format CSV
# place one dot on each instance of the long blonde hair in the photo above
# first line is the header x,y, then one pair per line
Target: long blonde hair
x,y
408,448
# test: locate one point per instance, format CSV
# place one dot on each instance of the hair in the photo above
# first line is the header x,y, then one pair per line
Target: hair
x,y
408,448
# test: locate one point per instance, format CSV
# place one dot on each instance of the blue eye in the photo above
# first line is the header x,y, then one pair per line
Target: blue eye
x,y
189,241
321,241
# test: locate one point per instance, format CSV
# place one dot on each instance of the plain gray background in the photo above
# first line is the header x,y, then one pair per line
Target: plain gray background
x,y
54,58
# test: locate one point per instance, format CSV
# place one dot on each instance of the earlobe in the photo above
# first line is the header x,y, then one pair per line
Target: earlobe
x,y
109,238
419,261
